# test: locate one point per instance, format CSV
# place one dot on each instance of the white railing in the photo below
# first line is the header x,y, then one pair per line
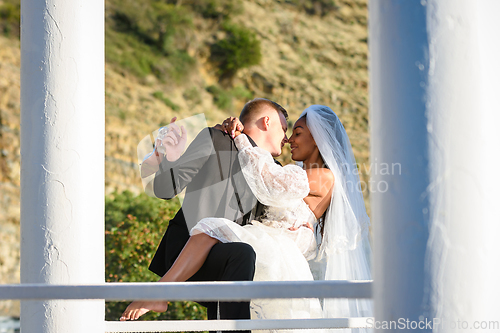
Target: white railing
x,y
203,291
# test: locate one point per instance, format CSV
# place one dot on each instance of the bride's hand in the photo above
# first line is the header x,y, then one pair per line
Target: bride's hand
x,y
232,125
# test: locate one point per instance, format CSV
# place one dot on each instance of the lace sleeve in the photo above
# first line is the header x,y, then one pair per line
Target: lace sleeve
x,y
272,184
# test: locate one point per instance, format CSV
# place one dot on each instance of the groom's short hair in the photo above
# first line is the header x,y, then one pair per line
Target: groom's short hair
x,y
253,108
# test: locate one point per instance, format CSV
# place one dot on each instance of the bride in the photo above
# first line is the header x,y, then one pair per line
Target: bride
x,y
323,195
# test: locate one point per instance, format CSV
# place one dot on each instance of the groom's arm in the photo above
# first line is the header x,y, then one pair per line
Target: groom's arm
x,y
173,177
151,164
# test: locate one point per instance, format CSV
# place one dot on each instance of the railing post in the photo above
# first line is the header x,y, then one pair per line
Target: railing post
x,y
434,111
62,159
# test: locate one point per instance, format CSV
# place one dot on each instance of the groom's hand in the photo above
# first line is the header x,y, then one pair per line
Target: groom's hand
x,y
174,141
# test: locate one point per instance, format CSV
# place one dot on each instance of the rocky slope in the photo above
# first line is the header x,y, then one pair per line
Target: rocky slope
x,y
9,167
307,59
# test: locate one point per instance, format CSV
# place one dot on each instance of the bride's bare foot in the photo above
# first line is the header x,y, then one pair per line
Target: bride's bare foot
x,y
138,308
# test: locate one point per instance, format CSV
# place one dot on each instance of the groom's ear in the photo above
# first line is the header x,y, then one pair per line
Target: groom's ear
x,y
262,123
265,122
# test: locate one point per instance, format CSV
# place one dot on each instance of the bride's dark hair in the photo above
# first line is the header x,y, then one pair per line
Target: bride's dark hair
x,y
322,159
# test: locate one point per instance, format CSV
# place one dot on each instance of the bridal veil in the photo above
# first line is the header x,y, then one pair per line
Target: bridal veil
x,y
344,252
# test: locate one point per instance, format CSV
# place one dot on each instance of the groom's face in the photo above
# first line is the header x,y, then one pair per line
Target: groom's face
x,y
277,133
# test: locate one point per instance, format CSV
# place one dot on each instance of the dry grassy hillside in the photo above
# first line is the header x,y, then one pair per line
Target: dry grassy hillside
x,y
306,59
9,166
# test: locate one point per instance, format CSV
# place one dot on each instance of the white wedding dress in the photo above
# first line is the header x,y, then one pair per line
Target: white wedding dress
x,y
343,249
281,254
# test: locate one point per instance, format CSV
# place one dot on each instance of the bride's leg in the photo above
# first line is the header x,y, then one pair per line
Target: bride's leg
x,y
189,261
191,258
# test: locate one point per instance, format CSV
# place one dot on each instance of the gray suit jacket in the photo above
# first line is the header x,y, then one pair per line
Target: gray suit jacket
x,y
210,172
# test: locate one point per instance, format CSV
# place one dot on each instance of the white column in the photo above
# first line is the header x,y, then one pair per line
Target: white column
x,y
62,159
398,42
434,80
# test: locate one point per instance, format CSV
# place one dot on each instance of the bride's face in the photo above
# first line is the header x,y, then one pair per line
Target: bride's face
x,y
301,142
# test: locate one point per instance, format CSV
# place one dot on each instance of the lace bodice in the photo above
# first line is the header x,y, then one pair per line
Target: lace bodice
x,y
282,189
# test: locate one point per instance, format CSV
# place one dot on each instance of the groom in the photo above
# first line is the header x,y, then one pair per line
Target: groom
x,y
215,187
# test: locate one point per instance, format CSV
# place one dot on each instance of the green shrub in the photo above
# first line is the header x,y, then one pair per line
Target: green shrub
x,y
166,100
10,16
121,205
240,49
134,227
216,9
192,95
170,25
240,92
222,98
316,7
156,23
150,37
130,54
180,65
